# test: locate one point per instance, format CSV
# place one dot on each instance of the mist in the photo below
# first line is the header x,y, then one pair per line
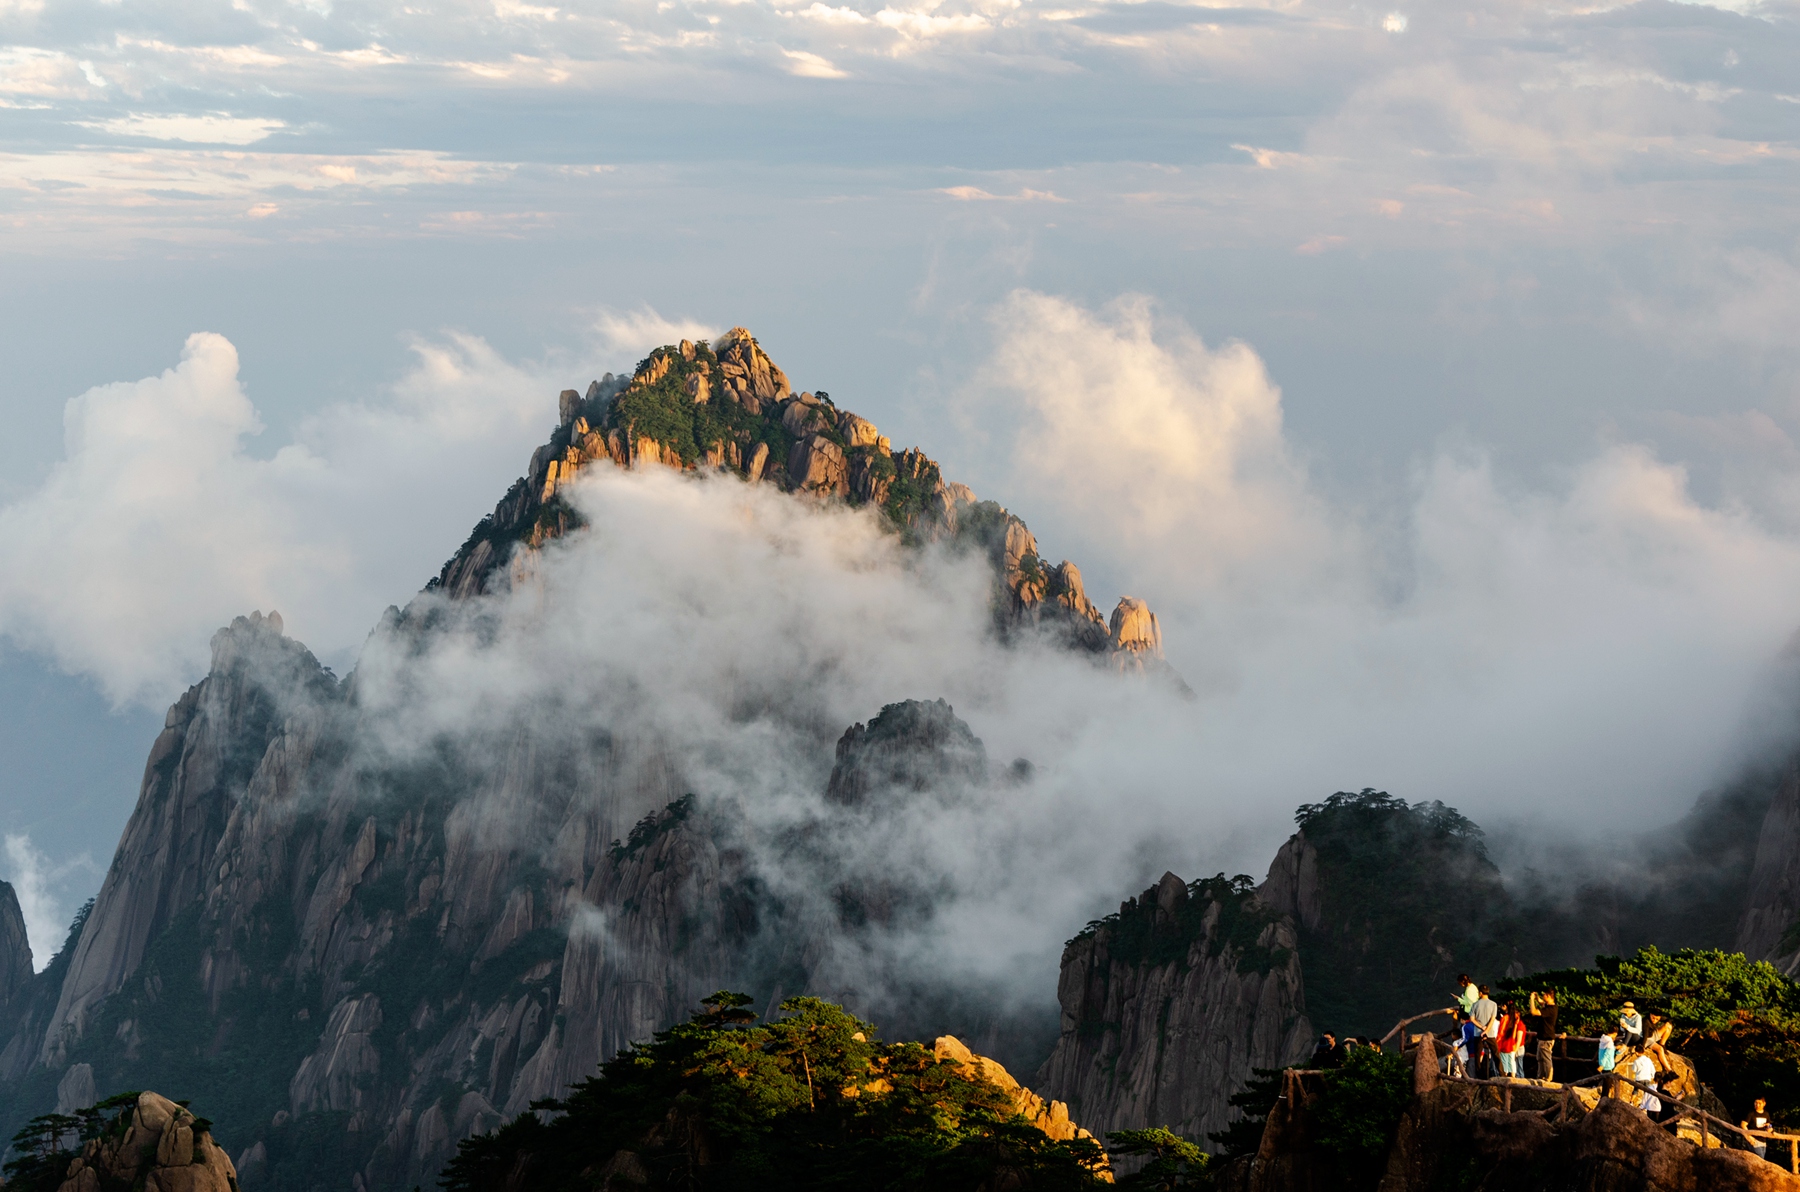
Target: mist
x,y
1560,656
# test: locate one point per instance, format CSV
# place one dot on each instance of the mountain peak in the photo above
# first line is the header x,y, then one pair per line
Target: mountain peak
x,y
725,406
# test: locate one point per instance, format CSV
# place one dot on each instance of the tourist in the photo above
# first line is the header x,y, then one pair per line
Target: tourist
x,y
1543,1009
1325,1055
1643,1070
1466,1034
1486,1015
1608,1053
1518,1049
1631,1026
1655,1042
1466,999
1509,1039
1759,1120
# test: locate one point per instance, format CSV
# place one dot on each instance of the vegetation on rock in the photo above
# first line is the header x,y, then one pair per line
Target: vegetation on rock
x,y
1253,1103
808,1100
1139,934
1173,1164
1409,898
124,1143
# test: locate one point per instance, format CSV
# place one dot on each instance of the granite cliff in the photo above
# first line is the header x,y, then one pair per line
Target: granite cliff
x,y
1770,925
1170,1004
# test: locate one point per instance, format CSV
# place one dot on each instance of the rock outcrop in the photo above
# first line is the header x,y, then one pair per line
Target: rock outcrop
x,y
1168,1005
910,748
1455,1135
1389,902
154,1145
406,952
212,744
15,949
1052,1117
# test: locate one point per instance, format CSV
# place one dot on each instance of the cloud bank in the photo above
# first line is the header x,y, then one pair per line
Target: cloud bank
x,y
162,522
1588,648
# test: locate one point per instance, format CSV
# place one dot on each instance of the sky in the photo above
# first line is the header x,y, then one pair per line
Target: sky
x,y
1431,368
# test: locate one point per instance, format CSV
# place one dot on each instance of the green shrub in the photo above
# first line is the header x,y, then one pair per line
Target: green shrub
x,y
811,1100
1138,934
1736,1019
1359,1112
1243,1136
1174,1163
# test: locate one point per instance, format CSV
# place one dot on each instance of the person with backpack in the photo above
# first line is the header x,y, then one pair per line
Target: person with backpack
x,y
1485,1015
1521,1031
1468,1050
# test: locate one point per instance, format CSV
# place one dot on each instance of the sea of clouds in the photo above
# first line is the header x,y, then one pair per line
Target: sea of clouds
x,y
1583,656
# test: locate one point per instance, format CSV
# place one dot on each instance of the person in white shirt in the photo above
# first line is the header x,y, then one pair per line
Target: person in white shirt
x,y
1643,1070
1485,1014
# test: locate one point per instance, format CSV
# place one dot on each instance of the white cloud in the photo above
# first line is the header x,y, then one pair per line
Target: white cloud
x,y
1588,648
213,128
809,65
34,878
629,335
25,70
976,194
161,524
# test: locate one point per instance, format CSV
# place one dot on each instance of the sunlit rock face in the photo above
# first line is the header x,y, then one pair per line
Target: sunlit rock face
x,y
728,408
355,935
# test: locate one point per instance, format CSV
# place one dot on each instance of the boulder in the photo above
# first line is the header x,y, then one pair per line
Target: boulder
x,y
1135,628
156,1145
857,432
817,465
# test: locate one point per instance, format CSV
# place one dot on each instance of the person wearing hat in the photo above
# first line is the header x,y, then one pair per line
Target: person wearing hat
x,y
1631,1026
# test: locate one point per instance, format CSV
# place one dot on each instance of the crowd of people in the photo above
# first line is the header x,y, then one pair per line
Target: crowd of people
x,y
1491,1036
1491,1039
